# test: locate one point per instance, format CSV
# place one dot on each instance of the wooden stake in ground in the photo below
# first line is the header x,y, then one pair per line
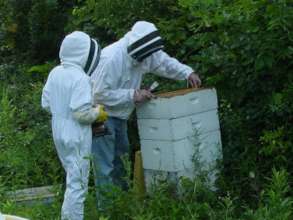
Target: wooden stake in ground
x,y
139,185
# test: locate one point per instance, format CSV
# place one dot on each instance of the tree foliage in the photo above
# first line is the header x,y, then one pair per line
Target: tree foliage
x,y
241,47
244,49
32,30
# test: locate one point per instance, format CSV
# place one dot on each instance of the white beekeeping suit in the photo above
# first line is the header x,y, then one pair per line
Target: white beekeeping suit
x,y
123,64
116,84
67,96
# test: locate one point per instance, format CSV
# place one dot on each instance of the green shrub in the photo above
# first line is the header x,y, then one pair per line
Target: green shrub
x,y
275,204
243,48
28,156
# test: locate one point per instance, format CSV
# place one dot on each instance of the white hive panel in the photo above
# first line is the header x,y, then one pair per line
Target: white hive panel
x,y
177,155
195,101
179,128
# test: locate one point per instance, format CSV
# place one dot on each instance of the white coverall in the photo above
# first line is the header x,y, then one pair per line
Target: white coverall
x,y
119,74
67,96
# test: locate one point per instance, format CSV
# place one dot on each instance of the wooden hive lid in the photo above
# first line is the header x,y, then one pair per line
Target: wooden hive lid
x,y
179,92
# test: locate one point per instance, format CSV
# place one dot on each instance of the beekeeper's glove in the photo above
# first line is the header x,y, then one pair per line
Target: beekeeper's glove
x,y
103,115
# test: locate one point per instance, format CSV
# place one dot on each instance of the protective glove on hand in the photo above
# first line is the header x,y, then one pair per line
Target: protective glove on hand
x,y
103,115
142,95
194,80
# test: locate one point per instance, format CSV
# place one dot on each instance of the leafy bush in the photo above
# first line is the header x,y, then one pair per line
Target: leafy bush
x,y
243,48
28,155
197,203
240,47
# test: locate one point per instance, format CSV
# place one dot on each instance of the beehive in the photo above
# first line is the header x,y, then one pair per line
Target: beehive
x,y
177,127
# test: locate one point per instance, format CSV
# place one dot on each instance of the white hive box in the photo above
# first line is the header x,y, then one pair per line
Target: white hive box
x,y
175,128
178,155
178,128
179,104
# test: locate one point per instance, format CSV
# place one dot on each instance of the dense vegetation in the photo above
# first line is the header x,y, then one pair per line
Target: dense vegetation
x,y
241,47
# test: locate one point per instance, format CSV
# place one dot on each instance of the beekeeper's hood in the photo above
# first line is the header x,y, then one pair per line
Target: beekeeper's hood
x,y
143,40
79,49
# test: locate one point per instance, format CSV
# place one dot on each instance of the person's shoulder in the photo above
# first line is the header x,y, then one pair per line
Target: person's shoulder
x,y
80,75
75,75
54,70
53,73
113,53
80,79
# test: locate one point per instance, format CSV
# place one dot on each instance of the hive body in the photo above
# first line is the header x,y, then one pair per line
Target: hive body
x,y
179,134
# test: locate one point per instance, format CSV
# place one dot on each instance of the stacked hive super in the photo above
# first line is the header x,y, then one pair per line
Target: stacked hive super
x,y
179,134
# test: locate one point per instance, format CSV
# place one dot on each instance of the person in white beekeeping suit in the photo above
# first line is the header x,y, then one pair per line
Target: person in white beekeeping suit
x,y
67,96
116,84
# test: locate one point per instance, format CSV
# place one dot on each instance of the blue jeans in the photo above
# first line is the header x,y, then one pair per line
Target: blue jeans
x,y
107,151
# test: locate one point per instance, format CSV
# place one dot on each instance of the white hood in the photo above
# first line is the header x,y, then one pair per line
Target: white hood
x,y
143,40
80,50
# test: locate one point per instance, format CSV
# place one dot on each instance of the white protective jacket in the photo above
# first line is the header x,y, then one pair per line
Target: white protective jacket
x,y
67,96
119,73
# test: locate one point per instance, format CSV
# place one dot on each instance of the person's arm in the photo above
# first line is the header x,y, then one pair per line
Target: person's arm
x,y
86,114
105,86
160,63
46,97
81,103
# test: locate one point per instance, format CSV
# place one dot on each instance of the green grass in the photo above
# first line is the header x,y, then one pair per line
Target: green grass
x,y
50,211
195,202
